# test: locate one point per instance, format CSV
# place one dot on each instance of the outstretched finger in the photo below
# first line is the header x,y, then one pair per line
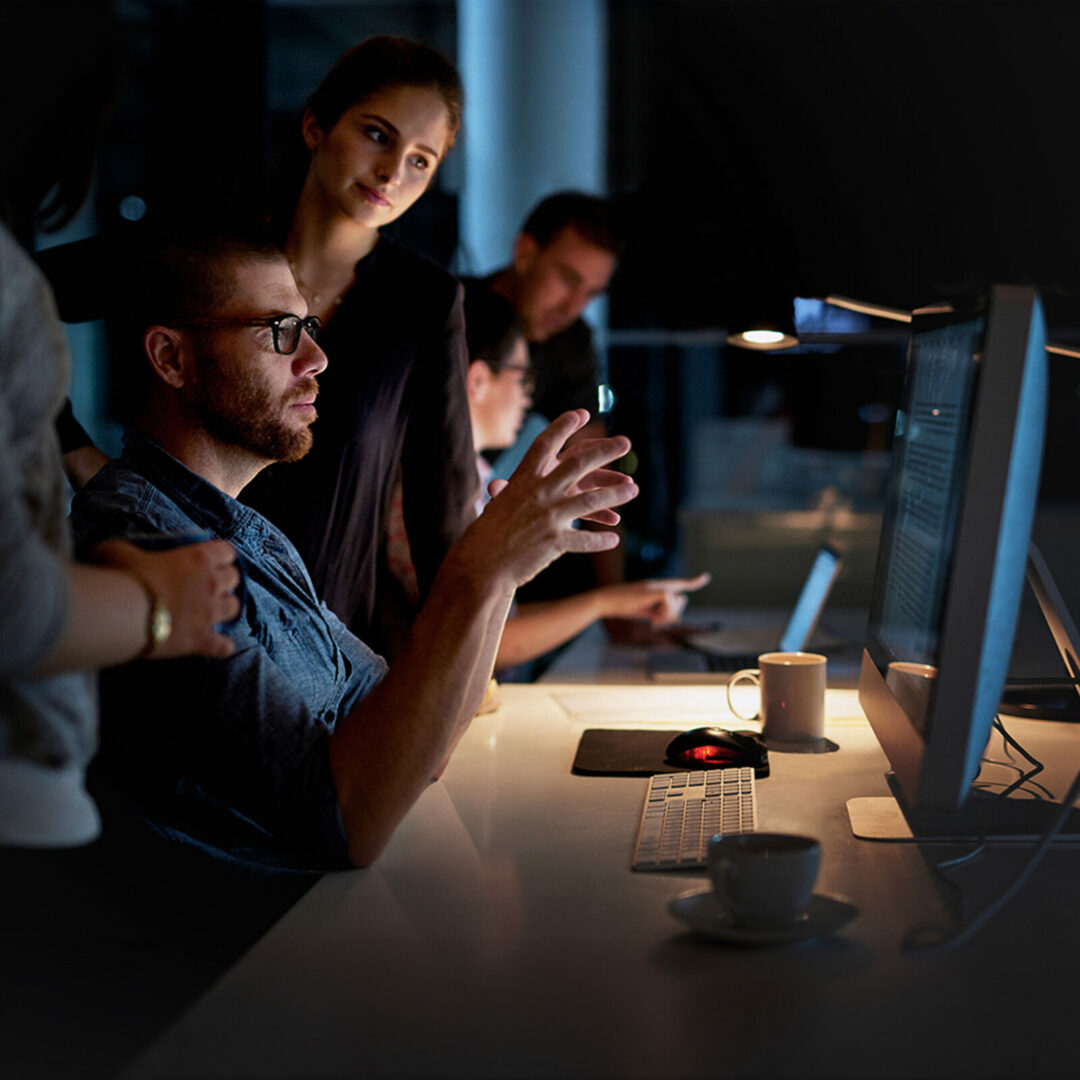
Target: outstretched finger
x,y
679,584
582,467
601,478
544,451
585,540
602,517
587,503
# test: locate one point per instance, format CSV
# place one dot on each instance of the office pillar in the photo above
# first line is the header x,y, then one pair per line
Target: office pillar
x,y
535,114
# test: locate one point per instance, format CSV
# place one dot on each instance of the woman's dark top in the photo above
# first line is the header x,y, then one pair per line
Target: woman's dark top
x,y
392,396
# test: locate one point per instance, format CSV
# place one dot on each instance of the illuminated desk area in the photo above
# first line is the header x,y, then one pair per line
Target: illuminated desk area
x,y
499,935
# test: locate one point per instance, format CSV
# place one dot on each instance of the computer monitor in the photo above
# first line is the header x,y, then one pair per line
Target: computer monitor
x,y
965,472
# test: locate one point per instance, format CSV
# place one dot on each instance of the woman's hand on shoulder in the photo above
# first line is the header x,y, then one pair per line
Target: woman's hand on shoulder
x,y
195,584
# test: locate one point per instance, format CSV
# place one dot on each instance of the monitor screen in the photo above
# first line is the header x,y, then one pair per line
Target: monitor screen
x,y
932,440
966,456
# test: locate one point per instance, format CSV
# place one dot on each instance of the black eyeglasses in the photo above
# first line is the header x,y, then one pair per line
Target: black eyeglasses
x,y
527,372
286,328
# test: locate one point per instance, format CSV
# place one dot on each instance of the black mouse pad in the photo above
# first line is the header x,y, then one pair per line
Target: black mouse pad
x,y
611,752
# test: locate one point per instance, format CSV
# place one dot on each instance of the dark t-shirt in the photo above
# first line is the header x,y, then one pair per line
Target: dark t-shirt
x,y
393,396
566,371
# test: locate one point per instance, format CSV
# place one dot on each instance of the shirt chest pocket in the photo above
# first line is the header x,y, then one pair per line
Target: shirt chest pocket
x,y
301,647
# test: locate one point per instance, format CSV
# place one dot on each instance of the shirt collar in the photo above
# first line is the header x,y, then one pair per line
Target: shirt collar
x,y
203,502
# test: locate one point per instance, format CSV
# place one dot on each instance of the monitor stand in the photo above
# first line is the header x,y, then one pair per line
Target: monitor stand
x,y
983,816
1041,699
1048,699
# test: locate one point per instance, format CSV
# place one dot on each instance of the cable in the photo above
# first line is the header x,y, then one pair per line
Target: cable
x,y
931,937
1021,780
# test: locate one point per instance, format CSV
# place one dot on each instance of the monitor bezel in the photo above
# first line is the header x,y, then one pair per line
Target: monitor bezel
x,y
933,773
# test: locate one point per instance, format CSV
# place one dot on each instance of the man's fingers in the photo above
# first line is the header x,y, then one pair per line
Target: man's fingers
x,y
600,478
546,446
602,517
589,502
581,462
583,540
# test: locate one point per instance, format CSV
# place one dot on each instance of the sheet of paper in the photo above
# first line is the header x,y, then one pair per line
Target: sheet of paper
x,y
636,706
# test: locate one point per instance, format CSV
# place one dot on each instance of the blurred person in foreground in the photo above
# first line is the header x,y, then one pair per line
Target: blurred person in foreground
x,y
60,619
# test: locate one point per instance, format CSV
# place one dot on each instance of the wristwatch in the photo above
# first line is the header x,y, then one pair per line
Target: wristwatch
x,y
158,622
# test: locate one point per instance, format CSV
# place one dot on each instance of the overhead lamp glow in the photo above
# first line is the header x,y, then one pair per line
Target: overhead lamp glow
x,y
763,337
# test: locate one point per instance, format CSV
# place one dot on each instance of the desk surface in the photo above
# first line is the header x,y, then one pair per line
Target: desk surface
x,y
503,934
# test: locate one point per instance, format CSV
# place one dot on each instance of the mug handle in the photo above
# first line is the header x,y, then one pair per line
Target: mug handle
x,y
751,675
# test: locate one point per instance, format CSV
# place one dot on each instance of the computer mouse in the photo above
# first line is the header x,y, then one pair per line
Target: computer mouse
x,y
716,748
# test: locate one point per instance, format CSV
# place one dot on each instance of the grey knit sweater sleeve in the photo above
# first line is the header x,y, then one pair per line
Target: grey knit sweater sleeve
x,y
47,726
34,374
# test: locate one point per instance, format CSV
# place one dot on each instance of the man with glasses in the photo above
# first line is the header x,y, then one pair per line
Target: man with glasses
x,y
302,751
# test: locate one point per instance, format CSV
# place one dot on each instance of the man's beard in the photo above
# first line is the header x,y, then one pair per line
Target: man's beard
x,y
240,412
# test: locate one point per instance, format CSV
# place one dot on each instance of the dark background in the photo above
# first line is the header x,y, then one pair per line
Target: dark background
x,y
897,152
894,152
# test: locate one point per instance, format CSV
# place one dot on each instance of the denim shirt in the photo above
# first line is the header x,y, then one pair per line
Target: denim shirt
x,y
229,755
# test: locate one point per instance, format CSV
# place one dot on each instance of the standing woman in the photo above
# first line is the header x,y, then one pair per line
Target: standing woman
x,y
383,493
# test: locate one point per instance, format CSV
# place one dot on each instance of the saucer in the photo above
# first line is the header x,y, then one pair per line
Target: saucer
x,y
701,911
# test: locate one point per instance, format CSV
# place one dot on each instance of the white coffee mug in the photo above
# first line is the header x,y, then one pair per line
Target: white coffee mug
x,y
792,688
764,879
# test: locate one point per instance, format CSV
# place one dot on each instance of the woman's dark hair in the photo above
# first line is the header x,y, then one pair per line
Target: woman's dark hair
x,y
492,327
58,83
381,62
376,63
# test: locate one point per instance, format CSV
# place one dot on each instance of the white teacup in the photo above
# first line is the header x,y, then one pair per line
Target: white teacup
x,y
764,879
792,695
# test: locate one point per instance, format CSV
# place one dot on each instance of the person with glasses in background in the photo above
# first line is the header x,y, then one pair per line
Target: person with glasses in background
x,y
500,385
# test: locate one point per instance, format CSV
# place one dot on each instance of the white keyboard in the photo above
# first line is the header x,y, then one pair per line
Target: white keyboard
x,y
683,811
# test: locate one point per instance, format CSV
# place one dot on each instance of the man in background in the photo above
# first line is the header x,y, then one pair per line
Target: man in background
x,y
563,258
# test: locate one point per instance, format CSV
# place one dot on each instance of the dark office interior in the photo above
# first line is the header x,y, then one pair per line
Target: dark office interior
x,y
896,152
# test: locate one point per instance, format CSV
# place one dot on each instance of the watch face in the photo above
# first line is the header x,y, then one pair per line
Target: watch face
x,y
160,624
